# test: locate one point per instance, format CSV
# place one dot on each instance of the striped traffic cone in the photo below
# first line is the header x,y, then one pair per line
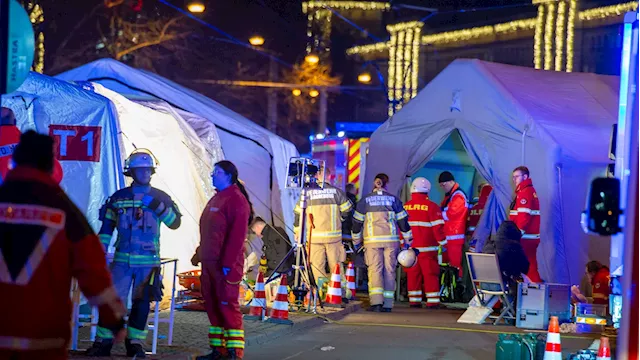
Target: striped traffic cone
x,y
351,282
553,350
334,291
259,302
604,351
280,307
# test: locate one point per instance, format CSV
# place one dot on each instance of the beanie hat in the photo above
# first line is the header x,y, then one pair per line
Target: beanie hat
x,y
34,150
445,176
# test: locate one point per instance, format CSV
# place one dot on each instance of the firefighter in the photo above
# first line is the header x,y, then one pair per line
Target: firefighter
x,y
327,208
525,212
46,241
380,214
454,211
475,212
223,228
137,212
427,226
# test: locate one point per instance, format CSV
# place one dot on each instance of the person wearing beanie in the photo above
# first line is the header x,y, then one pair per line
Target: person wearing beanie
x,y
379,215
455,208
427,227
525,212
46,242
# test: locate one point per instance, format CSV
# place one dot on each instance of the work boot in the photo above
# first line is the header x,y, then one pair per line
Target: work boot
x,y
214,355
235,354
100,348
134,349
375,308
384,309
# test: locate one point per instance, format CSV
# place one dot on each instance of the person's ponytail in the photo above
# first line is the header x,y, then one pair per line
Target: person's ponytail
x,y
244,192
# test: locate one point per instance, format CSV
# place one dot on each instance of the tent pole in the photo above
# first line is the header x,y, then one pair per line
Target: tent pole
x,y
524,134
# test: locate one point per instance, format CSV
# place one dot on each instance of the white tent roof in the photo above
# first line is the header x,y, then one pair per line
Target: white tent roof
x,y
260,155
562,121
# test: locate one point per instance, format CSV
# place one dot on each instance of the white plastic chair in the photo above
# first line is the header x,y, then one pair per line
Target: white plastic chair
x,y
485,269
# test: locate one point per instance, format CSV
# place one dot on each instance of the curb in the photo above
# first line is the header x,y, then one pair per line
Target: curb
x,y
301,325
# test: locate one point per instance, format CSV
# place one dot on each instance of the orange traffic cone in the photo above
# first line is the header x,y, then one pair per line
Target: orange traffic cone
x,y
280,307
604,351
351,282
259,302
334,290
553,350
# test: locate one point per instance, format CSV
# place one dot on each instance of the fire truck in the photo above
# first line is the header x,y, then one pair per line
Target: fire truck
x,y
344,153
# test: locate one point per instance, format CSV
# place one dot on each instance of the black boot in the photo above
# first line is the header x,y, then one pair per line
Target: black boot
x,y
100,348
134,349
375,308
235,354
214,355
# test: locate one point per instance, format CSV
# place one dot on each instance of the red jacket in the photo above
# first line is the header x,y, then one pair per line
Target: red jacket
x,y
455,208
476,210
47,242
600,284
525,211
223,229
427,225
9,138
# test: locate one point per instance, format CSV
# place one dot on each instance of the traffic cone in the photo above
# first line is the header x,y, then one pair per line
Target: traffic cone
x,y
351,282
259,302
280,307
553,350
604,351
334,291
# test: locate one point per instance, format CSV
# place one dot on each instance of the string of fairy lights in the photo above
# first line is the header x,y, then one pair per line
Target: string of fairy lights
x,y
36,16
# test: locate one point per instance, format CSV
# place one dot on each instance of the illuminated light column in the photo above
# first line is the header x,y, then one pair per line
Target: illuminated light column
x,y
404,56
555,28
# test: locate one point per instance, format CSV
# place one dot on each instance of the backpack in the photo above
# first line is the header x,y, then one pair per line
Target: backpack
x,y
450,290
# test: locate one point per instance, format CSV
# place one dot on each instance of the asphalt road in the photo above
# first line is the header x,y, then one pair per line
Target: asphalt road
x,y
405,334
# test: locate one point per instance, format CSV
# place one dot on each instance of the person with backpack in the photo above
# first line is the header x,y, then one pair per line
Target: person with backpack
x,y
276,246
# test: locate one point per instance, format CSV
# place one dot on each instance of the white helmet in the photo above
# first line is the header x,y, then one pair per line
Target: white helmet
x,y
140,158
407,258
420,185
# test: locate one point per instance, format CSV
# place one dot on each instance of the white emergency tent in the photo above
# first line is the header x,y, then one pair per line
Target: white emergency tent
x,y
557,124
42,101
261,156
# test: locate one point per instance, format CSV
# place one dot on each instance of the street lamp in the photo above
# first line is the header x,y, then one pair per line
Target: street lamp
x,y
256,40
364,78
196,7
314,93
296,92
312,59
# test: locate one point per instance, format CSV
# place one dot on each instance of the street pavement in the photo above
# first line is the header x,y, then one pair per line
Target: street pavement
x,y
403,334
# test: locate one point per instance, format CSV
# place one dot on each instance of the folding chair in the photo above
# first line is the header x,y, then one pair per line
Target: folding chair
x,y
484,269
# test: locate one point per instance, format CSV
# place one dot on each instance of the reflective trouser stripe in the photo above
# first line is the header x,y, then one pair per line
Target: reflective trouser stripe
x,y
376,291
104,333
215,336
136,334
388,294
234,338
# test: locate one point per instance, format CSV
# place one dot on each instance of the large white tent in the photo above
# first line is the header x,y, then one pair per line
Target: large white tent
x,y
260,155
557,124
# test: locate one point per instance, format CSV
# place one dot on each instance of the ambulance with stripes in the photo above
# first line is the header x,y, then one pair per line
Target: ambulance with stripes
x,y
344,153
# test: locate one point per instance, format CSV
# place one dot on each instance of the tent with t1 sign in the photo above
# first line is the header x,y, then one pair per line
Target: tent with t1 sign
x,y
557,124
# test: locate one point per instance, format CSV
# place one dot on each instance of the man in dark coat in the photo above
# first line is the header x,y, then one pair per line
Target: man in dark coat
x,y
276,246
511,257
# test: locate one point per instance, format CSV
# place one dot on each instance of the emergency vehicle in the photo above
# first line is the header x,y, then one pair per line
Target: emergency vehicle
x,y
344,153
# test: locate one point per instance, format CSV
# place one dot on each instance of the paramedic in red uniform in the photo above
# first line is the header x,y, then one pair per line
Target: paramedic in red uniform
x,y
427,226
525,212
45,241
455,208
223,230
476,212
599,277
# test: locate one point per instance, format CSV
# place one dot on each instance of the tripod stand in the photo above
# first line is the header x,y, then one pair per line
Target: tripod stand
x,y
304,280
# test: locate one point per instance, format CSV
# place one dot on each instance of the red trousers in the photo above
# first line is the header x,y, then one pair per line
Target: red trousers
x,y
220,293
454,253
424,275
530,247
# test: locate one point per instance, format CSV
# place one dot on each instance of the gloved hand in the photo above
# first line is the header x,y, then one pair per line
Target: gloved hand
x,y
195,259
225,271
152,203
406,246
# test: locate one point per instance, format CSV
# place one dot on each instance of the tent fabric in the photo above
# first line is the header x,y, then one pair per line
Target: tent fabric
x,y
42,101
260,155
557,124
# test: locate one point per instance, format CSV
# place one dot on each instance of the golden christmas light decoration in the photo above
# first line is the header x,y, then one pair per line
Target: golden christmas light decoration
x,y
537,39
404,52
36,16
345,5
607,11
548,33
571,24
560,35
364,78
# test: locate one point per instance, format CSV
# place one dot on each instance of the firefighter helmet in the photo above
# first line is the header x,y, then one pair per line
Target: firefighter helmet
x,y
420,185
407,258
140,158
